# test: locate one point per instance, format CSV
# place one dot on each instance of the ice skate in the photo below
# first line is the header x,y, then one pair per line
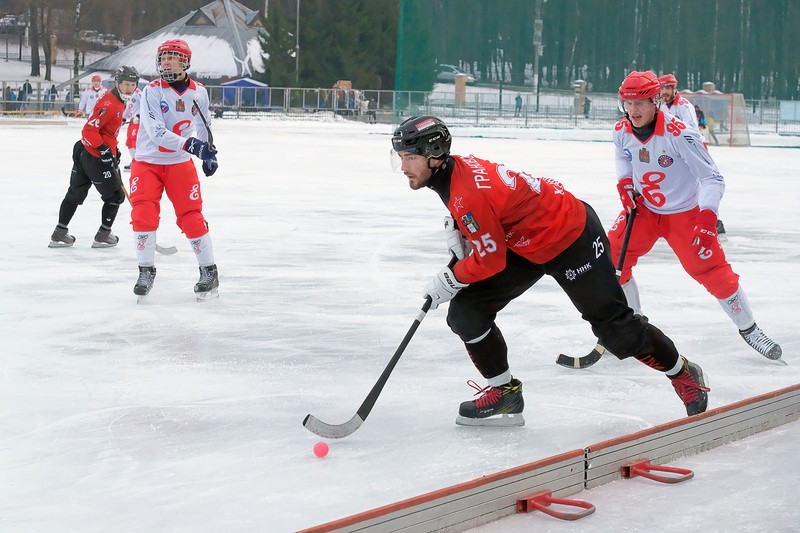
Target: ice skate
x,y
721,236
758,340
498,406
207,286
690,385
104,239
147,275
126,168
61,238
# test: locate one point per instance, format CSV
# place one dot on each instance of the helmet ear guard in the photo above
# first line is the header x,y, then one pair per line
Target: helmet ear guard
x,y
426,136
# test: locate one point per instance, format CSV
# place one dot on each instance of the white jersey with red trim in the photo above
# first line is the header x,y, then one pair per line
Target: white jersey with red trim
x,y
168,118
682,109
89,98
671,169
132,107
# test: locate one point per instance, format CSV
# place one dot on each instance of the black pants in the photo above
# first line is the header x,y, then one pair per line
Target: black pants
x,y
88,170
585,272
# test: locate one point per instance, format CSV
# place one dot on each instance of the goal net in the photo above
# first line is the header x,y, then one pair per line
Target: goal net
x,y
726,117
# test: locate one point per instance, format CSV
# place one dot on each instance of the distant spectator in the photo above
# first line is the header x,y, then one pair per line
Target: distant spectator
x,y
7,94
518,105
25,94
51,95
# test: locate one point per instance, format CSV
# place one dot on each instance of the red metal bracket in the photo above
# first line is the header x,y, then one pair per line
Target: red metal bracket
x,y
643,468
540,501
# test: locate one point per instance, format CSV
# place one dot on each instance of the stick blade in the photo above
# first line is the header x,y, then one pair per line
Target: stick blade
x,y
332,431
166,250
581,362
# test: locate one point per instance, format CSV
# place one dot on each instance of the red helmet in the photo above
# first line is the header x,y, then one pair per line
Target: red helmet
x,y
179,48
668,79
640,86
97,77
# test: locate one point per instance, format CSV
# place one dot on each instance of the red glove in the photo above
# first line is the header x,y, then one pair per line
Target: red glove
x,y
705,229
627,194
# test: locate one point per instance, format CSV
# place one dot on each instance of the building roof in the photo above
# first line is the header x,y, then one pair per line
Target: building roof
x,y
222,35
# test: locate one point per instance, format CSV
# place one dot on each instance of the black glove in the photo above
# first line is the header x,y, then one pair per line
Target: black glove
x,y
106,156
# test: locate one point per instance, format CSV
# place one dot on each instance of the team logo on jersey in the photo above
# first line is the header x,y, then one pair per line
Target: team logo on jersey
x,y
628,154
664,161
180,107
469,222
458,203
644,155
164,107
102,112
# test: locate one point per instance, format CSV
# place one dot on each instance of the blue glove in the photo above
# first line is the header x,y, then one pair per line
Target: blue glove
x,y
198,148
210,165
202,150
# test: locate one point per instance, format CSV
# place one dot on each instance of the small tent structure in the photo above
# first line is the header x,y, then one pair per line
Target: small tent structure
x,y
223,37
245,92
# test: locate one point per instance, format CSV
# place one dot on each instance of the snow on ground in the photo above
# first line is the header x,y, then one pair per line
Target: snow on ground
x,y
178,416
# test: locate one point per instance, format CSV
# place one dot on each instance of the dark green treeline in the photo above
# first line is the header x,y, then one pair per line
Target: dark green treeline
x,y
747,46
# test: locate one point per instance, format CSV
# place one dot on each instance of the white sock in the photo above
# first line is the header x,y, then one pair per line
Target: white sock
x,y
502,379
145,247
203,250
631,291
738,309
672,372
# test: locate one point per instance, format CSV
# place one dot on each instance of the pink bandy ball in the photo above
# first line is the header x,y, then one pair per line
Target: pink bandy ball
x,y
320,449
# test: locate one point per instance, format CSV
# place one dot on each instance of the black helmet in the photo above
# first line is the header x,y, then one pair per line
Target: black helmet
x,y
125,73
425,136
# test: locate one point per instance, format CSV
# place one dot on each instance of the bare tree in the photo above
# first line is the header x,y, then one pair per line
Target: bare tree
x,y
33,16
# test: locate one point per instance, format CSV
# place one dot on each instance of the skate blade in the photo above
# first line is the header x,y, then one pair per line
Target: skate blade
x,y
210,295
96,244
141,298
504,420
59,244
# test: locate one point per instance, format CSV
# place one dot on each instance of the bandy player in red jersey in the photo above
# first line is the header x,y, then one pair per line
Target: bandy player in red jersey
x,y
672,181
519,228
95,161
169,133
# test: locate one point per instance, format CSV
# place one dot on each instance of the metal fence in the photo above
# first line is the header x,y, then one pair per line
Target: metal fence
x,y
483,106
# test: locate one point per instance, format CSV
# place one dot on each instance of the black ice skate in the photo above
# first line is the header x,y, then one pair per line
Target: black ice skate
x,y
104,238
207,286
498,406
126,168
691,388
721,236
147,275
756,338
61,238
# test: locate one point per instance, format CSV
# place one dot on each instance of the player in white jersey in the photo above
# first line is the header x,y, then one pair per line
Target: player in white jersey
x,y
90,96
675,104
131,114
664,173
170,132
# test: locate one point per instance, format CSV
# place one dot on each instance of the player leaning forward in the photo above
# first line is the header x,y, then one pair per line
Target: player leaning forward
x,y
169,133
95,161
679,191
520,228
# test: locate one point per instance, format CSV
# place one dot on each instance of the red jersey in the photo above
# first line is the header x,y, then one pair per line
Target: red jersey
x,y
498,208
104,124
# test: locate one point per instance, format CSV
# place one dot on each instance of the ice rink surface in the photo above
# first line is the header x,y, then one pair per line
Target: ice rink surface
x,y
174,415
